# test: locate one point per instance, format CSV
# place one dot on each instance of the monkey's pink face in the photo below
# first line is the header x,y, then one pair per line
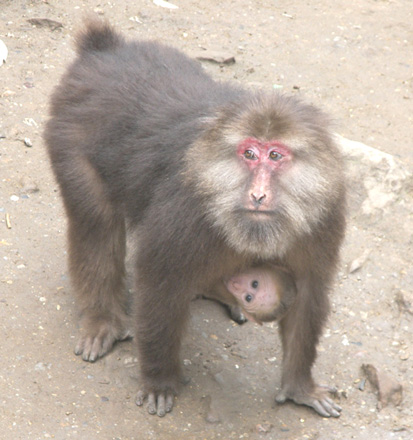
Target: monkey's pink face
x,y
264,161
256,291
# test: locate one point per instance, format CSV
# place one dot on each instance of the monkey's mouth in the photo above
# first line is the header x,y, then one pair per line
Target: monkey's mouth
x,y
259,212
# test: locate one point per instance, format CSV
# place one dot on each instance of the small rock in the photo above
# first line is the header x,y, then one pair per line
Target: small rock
x,y
362,385
404,355
359,262
403,301
3,52
219,378
28,142
389,390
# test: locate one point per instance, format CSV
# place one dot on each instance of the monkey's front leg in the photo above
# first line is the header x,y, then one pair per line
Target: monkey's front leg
x,y
96,263
161,319
300,330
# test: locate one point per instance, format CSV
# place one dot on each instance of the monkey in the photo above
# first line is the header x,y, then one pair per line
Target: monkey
x,y
210,178
262,293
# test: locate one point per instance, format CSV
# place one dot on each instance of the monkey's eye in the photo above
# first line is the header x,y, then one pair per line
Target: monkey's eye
x,y
274,155
249,154
254,284
248,297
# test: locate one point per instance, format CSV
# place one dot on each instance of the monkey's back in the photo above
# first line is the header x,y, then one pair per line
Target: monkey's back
x,y
120,99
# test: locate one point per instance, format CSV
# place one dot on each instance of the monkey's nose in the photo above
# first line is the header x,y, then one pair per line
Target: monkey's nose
x,y
258,199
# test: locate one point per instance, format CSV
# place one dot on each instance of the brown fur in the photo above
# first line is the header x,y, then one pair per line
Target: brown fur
x,y
140,136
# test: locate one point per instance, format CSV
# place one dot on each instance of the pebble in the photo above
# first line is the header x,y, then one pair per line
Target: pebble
x,y
389,390
219,378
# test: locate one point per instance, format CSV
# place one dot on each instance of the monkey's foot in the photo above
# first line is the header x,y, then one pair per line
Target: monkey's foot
x,y
98,336
159,403
318,400
160,397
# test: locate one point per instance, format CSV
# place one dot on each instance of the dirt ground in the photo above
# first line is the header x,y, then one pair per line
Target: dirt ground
x,y
354,59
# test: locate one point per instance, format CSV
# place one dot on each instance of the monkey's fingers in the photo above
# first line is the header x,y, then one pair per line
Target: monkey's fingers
x,y
235,313
326,407
160,405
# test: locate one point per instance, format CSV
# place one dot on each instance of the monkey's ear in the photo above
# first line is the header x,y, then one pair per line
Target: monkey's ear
x,y
234,285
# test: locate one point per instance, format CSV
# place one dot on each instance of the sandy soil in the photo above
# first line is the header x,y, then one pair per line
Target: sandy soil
x,y
354,59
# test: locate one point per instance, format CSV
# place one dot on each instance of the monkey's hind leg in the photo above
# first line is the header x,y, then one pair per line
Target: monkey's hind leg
x,y
97,247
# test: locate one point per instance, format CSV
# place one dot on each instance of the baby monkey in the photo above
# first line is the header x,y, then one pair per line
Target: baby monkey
x,y
261,293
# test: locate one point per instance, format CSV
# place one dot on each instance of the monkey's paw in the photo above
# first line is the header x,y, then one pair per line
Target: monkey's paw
x,y
235,313
158,403
318,400
97,338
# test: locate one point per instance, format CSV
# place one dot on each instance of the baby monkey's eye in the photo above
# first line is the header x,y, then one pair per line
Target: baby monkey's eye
x,y
248,297
254,284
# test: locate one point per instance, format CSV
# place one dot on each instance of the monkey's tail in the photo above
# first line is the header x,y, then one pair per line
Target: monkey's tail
x,y
98,36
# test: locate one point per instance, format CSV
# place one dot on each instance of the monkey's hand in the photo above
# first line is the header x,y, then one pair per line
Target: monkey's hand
x,y
98,336
159,403
317,399
235,312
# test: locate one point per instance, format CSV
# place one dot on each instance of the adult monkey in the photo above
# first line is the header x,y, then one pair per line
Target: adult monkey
x,y
212,179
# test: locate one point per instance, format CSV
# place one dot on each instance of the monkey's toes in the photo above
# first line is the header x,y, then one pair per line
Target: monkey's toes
x,y
318,400
91,348
98,336
157,404
281,397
